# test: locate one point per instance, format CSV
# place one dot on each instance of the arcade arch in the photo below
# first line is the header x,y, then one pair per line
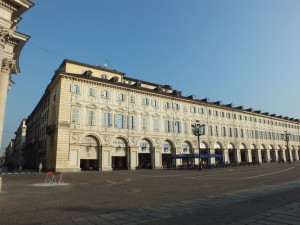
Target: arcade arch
x,y
218,151
272,153
119,153
231,153
243,153
89,153
145,154
167,152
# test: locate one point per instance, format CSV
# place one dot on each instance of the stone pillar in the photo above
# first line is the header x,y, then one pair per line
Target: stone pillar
x,y
7,67
249,155
259,156
276,155
226,156
297,155
238,156
268,156
158,159
134,152
4,77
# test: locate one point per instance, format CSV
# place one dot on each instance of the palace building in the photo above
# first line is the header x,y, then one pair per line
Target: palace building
x,y
95,118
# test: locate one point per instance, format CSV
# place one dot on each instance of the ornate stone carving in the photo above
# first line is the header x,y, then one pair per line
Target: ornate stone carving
x,y
8,65
134,140
4,36
107,138
74,136
158,140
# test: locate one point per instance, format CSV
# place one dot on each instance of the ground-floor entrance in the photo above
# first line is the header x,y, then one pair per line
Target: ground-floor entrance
x,y
145,160
89,164
166,160
119,162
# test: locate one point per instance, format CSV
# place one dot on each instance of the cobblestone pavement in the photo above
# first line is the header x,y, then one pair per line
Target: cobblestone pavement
x,y
267,194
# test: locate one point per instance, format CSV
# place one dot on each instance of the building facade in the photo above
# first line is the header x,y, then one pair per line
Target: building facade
x,y
11,44
19,145
92,117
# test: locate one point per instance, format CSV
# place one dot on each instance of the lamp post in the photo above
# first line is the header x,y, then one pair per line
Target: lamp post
x,y
287,137
198,130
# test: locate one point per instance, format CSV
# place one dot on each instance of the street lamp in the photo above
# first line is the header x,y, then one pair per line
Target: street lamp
x,y
287,137
198,130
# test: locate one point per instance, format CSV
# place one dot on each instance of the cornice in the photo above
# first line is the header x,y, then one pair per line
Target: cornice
x,y
8,6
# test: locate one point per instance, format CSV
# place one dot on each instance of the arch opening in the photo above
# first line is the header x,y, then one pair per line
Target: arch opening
x,y
119,154
89,153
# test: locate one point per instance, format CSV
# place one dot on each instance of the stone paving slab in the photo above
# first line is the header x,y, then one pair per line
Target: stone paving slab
x,y
286,215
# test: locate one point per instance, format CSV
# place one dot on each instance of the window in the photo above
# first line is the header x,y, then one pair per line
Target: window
x,y
154,103
145,123
224,131
242,133
234,116
104,76
222,114
240,117
75,115
92,92
167,105
119,121
132,122
236,132
216,113
200,110
176,106
228,115
168,126
210,130
156,124
145,101
177,127
186,128
105,94
209,112
193,109
230,132
107,119
75,88
91,118
217,131
132,99
121,97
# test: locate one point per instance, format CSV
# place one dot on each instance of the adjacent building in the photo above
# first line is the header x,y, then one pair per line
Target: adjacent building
x,y
19,144
11,44
95,118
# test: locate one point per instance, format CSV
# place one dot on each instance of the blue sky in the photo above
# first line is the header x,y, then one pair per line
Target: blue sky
x,y
241,52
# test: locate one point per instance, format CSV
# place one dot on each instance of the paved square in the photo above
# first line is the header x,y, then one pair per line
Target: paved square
x,y
234,194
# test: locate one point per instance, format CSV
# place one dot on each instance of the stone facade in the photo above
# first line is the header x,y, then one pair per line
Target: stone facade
x,y
99,119
19,145
11,43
